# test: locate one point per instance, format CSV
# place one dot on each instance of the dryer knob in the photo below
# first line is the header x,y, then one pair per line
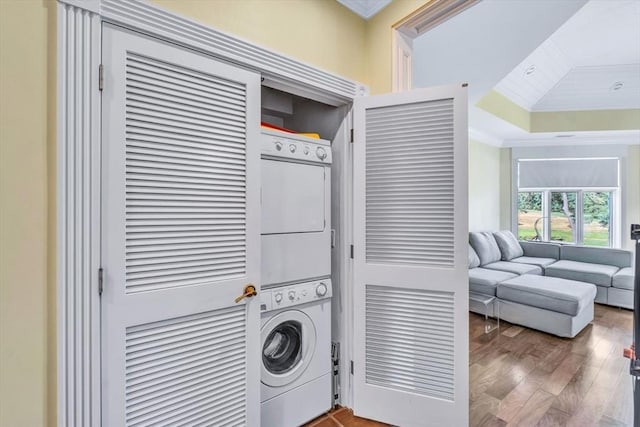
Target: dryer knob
x,y
321,290
292,295
321,153
278,297
278,145
292,148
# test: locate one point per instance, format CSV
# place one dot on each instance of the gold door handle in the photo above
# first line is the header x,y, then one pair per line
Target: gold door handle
x,y
249,291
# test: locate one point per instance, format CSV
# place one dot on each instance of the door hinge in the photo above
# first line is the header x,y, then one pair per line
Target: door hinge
x,y
351,251
351,137
351,367
100,281
100,77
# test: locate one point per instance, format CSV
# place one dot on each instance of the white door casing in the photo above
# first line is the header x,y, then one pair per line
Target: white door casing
x,y
181,228
410,257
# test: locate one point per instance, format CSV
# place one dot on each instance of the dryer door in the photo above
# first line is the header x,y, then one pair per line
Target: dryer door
x,y
288,346
293,197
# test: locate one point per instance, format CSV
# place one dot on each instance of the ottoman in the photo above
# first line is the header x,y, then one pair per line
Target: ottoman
x,y
557,306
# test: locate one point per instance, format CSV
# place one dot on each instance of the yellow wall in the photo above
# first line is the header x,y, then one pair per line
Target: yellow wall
x,y
378,43
319,32
484,180
27,84
558,121
632,196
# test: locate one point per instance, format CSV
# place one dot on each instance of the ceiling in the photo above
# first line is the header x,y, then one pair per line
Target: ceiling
x,y
365,8
592,62
541,72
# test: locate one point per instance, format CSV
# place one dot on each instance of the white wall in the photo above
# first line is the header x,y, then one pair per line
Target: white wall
x,y
484,187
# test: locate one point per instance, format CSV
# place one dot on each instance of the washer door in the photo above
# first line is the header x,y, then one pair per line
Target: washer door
x,y
288,343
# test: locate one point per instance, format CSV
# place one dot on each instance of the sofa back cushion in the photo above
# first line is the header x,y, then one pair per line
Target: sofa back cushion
x,y
474,261
618,257
541,249
509,246
485,246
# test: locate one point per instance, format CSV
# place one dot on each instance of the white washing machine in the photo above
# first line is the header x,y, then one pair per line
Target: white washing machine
x,y
296,353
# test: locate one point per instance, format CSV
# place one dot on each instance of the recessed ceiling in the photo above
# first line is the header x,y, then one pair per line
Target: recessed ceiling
x,y
539,69
578,67
365,8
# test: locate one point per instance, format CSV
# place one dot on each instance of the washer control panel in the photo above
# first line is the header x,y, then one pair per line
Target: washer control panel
x,y
278,144
296,294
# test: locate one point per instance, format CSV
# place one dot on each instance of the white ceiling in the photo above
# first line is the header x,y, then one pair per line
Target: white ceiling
x,y
578,48
365,8
577,67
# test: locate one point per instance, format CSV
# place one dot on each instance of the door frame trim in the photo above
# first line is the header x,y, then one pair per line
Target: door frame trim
x,y
78,187
417,23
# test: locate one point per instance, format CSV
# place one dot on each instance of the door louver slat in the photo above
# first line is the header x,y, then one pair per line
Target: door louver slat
x,y
410,340
185,176
173,366
409,184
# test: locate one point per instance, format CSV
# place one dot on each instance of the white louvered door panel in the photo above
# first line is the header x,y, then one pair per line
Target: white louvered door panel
x,y
410,260
180,237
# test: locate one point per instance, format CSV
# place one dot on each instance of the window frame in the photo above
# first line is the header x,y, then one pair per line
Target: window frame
x,y
614,212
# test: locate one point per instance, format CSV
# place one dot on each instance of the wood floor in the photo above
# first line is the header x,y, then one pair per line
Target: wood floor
x,y
521,377
342,417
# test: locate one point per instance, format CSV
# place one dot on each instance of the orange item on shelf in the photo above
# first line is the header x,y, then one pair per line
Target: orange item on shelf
x,y
274,127
281,129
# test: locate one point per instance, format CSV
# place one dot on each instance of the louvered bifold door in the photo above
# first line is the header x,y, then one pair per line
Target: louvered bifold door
x,y
180,209
410,258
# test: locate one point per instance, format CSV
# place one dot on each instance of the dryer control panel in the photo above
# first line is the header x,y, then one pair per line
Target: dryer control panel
x,y
295,147
296,294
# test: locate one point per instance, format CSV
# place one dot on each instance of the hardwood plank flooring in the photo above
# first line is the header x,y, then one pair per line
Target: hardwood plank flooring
x,y
522,377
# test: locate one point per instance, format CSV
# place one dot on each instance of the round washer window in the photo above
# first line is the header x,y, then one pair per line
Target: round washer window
x,y
282,349
288,345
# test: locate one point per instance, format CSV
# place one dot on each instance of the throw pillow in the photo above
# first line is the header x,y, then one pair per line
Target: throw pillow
x,y
474,261
508,244
485,246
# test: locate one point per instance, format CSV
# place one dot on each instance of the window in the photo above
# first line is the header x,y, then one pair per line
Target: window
x,y
569,200
596,208
577,216
562,216
530,217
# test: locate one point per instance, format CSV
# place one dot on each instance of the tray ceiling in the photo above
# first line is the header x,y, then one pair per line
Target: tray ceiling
x,y
592,62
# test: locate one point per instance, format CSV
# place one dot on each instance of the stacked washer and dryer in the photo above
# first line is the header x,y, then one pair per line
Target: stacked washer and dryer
x,y
296,285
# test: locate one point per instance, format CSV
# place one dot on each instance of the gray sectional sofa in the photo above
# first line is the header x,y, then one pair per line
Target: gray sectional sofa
x,y
546,286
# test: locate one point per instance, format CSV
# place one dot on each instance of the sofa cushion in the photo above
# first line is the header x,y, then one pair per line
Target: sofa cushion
x,y
485,246
508,244
623,279
598,274
484,281
549,293
541,249
474,261
605,256
540,262
514,267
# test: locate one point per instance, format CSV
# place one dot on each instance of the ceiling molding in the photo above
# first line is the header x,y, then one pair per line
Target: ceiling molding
x,y
431,15
588,138
365,8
